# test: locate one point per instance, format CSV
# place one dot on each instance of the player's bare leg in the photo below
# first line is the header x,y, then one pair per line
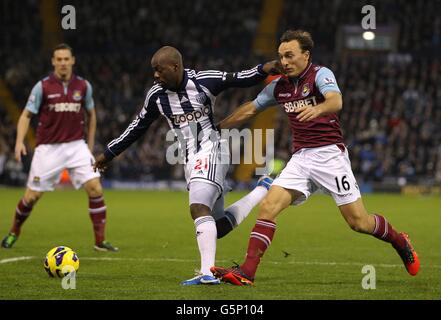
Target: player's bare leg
x,y
357,217
97,213
272,205
360,220
22,212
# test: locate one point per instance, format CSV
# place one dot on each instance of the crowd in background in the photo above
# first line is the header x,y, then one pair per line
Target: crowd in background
x,y
391,116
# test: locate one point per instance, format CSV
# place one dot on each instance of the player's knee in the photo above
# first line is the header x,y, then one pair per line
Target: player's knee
x,y
32,197
198,210
268,210
359,224
94,189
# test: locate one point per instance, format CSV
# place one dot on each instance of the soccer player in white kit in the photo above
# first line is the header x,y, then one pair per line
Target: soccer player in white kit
x,y
60,102
186,99
310,97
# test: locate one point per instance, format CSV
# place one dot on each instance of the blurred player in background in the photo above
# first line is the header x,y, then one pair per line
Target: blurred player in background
x,y
60,101
310,97
186,98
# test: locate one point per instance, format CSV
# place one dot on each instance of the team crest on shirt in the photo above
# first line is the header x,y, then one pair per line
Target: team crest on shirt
x,y
77,95
36,180
306,90
201,97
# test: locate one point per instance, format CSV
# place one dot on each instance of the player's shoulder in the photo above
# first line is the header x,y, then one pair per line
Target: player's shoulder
x,y
45,79
208,74
191,73
81,80
279,81
154,91
320,69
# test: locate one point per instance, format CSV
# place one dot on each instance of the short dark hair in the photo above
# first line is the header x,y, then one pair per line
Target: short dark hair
x,y
303,37
62,46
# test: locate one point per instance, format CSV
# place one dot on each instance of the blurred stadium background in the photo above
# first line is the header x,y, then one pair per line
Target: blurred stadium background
x,y
391,120
391,116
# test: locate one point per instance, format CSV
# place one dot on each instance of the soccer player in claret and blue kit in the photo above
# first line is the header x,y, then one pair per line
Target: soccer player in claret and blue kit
x,y
60,101
310,97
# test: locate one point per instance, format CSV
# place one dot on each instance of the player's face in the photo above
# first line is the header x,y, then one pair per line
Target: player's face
x,y
293,60
63,62
165,73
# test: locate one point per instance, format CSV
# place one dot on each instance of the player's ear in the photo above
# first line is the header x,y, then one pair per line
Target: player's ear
x,y
308,54
73,60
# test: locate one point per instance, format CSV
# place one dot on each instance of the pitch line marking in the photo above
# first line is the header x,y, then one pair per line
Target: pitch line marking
x,y
315,263
16,259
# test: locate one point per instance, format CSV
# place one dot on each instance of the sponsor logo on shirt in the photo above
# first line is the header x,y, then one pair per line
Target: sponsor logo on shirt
x,y
53,96
65,107
284,95
190,116
293,105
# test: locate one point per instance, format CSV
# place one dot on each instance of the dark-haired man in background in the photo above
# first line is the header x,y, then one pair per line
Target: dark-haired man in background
x,y
60,101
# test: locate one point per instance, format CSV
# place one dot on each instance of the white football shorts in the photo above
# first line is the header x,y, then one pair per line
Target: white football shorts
x,y
327,168
50,160
209,165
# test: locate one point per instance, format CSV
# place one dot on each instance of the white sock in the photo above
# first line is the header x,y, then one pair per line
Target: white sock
x,y
206,235
241,208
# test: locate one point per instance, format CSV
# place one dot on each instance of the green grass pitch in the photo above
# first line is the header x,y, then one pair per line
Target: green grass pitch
x,y
158,249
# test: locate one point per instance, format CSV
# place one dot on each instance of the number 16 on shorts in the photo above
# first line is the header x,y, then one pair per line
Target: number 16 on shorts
x,y
342,182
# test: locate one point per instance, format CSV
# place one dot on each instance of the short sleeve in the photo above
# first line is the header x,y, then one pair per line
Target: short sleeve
x,y
266,97
89,103
35,98
325,81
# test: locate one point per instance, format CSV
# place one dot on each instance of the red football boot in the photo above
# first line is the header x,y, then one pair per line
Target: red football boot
x,y
232,275
409,256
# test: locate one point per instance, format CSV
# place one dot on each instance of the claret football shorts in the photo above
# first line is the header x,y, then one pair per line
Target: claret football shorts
x,y
51,159
326,168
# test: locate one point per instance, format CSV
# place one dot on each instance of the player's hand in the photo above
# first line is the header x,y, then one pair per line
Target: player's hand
x,y
20,149
101,163
273,67
308,113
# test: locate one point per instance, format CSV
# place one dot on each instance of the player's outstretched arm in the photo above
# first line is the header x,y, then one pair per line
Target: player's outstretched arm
x,y
273,67
22,129
244,113
218,81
